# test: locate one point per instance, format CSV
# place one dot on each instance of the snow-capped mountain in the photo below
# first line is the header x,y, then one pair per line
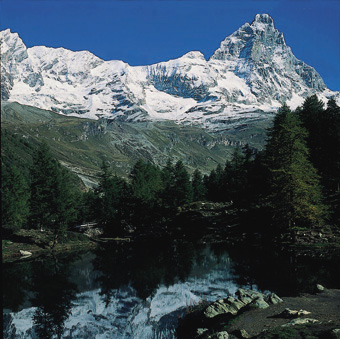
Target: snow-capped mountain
x,y
251,73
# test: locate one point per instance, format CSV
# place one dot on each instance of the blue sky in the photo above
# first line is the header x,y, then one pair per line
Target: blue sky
x,y
146,32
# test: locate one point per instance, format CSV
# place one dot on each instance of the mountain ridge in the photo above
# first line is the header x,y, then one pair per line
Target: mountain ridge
x,y
82,144
250,75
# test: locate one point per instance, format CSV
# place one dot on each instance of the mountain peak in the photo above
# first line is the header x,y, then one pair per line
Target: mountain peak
x,y
254,41
263,22
193,55
264,19
253,69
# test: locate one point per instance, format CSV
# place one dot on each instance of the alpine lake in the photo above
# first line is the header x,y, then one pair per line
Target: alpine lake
x,y
141,289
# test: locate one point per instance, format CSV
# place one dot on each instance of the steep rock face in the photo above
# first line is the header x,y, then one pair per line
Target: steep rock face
x,y
258,53
250,74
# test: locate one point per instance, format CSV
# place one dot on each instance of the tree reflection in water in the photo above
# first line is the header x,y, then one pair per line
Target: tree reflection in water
x,y
16,281
143,265
147,265
286,272
54,297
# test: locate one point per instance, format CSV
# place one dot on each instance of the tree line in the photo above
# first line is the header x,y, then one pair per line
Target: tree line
x,y
294,181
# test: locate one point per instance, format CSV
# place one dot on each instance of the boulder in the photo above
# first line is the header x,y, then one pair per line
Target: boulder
x,y
242,293
200,331
236,303
25,253
219,335
288,313
319,288
302,321
220,307
274,299
335,334
241,334
258,303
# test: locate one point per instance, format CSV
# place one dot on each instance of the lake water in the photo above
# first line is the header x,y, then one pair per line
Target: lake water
x,y
140,290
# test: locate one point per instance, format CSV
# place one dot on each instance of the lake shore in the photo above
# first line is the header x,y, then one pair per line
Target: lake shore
x,y
305,316
202,222
40,243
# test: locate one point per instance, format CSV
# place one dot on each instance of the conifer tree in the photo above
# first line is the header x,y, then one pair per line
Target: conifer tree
x,y
146,182
211,183
295,193
168,179
312,116
215,184
198,187
14,199
114,194
183,190
235,177
52,203
177,186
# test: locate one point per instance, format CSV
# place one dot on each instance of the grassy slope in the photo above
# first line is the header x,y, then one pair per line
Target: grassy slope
x,y
82,144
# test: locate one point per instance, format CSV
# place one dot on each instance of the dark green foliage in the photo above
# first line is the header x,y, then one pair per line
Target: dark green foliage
x,y
53,300
14,199
16,151
114,195
198,187
177,188
168,192
323,126
183,190
295,192
152,195
88,207
146,182
303,149
52,199
284,181
214,184
231,183
235,178
311,116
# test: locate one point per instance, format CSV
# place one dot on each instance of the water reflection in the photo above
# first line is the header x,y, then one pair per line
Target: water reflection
x,y
138,290
54,296
16,283
286,272
144,266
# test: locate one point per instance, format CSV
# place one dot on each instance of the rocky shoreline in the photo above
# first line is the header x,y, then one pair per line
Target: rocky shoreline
x,y
251,314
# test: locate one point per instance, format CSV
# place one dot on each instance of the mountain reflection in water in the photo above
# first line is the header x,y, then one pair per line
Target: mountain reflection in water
x,y
139,290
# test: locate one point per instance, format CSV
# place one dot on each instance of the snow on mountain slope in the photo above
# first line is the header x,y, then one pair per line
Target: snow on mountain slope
x,y
251,73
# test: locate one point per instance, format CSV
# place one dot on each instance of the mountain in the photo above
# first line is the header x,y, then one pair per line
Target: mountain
x,y
82,144
249,75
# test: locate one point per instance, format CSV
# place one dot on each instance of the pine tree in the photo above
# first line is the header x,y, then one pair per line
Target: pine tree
x,y
198,187
168,179
146,182
114,194
215,184
329,164
295,193
52,203
183,190
234,177
177,187
312,117
14,199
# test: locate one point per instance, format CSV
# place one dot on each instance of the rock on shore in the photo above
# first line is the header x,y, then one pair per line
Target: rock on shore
x,y
251,314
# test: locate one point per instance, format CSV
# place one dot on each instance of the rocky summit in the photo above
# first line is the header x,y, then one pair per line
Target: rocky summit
x,y
250,75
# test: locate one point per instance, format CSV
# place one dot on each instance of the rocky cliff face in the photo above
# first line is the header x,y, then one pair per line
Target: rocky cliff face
x,y
251,73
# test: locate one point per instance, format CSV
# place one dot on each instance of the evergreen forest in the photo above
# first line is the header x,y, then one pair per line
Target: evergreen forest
x,y
293,182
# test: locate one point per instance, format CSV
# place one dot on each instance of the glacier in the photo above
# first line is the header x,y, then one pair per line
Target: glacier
x,y
251,74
